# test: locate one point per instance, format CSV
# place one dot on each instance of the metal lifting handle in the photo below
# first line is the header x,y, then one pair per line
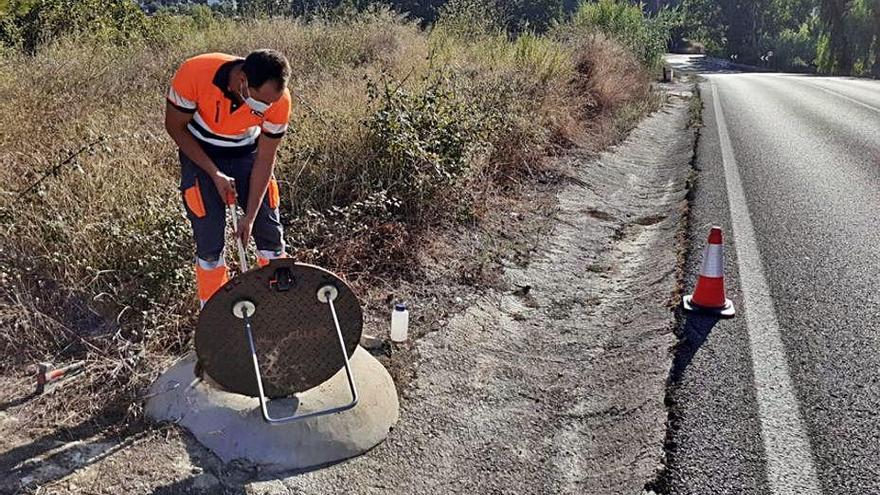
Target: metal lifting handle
x,y
242,254
326,294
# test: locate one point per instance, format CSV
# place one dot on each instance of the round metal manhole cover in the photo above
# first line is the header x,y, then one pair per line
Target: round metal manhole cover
x,y
293,331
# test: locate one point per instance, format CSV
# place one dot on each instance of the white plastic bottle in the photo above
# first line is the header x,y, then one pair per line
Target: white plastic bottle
x,y
399,323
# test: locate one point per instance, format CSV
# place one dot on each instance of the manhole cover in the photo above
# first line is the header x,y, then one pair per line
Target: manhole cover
x,y
293,331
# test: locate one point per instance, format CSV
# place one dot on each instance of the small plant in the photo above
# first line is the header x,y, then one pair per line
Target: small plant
x,y
423,141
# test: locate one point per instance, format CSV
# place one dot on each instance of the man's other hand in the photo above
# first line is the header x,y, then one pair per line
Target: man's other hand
x,y
225,186
244,228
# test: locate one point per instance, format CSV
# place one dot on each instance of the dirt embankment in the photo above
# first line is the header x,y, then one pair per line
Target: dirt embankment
x,y
550,381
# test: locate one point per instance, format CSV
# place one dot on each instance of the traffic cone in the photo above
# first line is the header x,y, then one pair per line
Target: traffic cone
x,y
708,297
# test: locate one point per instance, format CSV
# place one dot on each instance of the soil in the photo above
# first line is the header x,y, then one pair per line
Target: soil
x,y
537,362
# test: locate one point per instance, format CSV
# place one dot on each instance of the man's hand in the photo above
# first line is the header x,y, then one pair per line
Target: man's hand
x,y
244,228
225,185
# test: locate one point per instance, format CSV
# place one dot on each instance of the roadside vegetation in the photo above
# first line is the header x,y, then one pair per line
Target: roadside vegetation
x,y
829,36
398,131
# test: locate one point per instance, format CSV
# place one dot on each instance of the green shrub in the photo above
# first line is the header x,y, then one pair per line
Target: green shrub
x,y
423,141
469,19
486,16
30,23
824,57
797,49
202,16
646,36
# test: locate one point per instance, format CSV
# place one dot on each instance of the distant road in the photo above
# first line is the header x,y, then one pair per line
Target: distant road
x,y
784,399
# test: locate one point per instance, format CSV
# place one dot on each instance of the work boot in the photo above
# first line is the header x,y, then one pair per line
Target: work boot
x,y
265,256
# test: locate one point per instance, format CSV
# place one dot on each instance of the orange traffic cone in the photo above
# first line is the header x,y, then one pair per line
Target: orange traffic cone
x,y
709,295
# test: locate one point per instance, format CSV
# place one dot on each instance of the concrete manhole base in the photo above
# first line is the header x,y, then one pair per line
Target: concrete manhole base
x,y
231,426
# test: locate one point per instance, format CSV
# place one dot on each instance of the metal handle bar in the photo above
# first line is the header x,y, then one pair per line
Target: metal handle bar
x,y
326,294
242,254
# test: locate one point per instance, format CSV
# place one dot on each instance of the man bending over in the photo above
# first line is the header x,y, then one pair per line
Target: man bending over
x,y
228,115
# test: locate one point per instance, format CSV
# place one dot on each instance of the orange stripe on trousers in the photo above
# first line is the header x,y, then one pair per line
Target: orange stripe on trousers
x,y
210,281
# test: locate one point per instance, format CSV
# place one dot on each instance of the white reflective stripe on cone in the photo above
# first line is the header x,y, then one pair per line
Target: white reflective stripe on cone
x,y
713,261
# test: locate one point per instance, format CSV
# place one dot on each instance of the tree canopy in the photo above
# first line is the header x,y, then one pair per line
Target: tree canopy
x,y
831,36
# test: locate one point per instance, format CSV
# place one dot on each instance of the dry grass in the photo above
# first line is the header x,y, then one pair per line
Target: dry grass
x,y
95,260
608,75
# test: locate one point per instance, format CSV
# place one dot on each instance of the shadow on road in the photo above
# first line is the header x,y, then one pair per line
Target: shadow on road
x,y
708,65
694,332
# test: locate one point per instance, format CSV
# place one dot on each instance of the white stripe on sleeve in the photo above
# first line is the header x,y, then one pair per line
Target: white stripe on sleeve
x,y
180,101
274,128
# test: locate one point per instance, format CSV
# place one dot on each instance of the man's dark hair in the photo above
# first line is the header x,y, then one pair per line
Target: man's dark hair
x,y
266,65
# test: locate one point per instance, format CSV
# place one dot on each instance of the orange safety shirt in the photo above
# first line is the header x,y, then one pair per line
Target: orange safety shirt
x,y
220,119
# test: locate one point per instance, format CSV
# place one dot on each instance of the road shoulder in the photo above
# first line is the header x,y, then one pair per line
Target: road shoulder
x,y
556,384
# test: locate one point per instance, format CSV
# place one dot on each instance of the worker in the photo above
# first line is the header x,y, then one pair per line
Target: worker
x,y
228,115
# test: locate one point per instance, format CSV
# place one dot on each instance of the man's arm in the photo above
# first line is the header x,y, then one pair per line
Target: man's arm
x,y
262,171
175,124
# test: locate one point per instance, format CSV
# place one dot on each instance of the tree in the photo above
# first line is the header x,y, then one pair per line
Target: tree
x,y
875,47
534,15
835,47
704,21
837,36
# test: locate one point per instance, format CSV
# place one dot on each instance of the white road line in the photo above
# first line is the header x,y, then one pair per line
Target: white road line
x,y
790,467
841,95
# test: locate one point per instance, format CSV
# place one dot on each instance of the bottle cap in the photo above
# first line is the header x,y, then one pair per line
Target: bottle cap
x,y
400,307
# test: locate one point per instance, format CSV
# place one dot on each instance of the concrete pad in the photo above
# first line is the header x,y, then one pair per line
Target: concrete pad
x,y
232,427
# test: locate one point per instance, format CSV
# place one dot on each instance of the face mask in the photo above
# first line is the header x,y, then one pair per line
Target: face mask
x,y
255,105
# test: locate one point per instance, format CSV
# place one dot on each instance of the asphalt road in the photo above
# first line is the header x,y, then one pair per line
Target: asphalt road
x,y
785,398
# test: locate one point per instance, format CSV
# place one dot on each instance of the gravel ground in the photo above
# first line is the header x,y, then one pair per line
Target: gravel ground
x,y
555,386
550,382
